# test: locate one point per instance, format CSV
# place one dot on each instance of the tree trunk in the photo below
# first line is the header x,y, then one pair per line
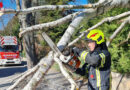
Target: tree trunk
x,y
48,61
66,37
28,20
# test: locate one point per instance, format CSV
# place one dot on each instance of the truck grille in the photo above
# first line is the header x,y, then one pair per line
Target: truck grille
x,y
10,62
10,59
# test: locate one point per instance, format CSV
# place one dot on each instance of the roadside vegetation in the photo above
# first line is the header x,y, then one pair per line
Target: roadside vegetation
x,y
119,51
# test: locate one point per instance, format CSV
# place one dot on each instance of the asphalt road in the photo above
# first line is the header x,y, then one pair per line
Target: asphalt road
x,y
8,74
54,80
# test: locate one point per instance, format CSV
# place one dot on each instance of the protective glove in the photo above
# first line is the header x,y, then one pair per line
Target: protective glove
x,y
83,70
76,51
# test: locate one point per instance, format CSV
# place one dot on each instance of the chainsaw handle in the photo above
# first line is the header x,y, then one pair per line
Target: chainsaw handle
x,y
65,59
70,58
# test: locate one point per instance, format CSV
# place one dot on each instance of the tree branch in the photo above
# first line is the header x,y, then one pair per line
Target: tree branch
x,y
117,31
108,19
48,25
18,4
45,65
57,22
27,73
50,7
52,24
67,76
64,41
125,41
63,7
1,13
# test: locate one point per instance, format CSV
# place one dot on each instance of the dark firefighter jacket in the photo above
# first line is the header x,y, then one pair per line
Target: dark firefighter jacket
x,y
98,65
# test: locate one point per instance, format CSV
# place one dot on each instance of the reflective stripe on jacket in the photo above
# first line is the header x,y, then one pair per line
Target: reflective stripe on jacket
x,y
99,62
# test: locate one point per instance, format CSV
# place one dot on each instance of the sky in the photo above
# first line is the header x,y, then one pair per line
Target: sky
x,y
80,2
10,4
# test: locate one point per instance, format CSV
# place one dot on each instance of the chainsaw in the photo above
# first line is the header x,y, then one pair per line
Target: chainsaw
x,y
72,62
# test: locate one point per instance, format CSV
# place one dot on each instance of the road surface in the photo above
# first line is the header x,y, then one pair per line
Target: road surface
x,y
9,74
54,80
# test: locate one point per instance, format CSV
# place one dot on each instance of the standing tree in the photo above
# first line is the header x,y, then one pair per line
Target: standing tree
x,y
94,10
27,20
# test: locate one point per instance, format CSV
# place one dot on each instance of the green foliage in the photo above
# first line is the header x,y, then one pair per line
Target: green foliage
x,y
124,63
48,16
15,30
120,54
12,28
92,1
52,15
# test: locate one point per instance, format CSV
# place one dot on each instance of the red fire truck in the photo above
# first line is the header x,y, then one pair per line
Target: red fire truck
x,y
9,50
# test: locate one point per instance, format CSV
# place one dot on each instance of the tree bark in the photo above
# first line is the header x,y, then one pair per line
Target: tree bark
x,y
70,30
46,7
47,62
108,19
28,20
65,73
48,25
22,78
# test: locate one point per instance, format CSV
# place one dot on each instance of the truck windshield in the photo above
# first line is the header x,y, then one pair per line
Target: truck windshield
x,y
10,48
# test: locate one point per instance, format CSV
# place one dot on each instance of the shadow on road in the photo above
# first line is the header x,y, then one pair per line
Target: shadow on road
x,y
3,85
12,69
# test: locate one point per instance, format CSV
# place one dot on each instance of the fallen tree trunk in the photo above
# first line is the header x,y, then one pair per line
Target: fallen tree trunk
x,y
48,61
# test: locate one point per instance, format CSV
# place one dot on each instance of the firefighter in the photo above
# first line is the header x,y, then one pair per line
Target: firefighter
x,y
97,61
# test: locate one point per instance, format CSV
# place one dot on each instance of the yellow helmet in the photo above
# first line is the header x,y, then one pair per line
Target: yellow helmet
x,y
95,35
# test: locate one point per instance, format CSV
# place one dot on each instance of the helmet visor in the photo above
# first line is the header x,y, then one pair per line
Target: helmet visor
x,y
89,40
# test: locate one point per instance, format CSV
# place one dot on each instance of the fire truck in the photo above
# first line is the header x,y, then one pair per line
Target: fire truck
x,y
9,50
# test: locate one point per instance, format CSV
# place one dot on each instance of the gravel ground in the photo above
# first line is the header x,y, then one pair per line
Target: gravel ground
x,y
54,80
